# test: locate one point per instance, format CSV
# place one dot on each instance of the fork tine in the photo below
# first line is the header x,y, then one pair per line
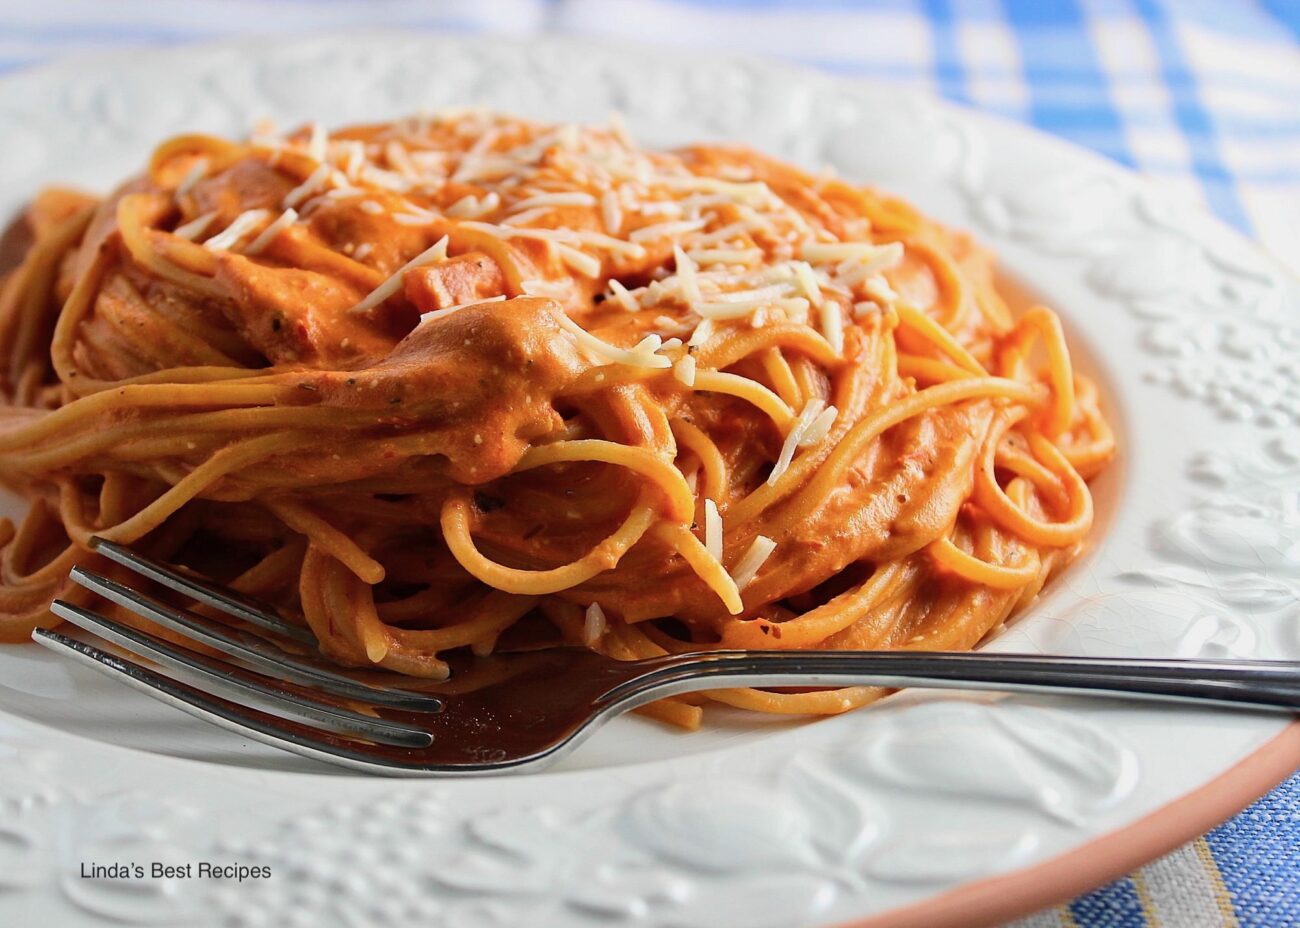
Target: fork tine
x,y
226,600
228,681
257,652
244,721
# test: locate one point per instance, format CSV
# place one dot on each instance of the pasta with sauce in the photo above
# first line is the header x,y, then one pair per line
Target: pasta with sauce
x,y
470,381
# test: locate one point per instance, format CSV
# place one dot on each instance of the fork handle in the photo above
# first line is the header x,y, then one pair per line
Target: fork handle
x,y
1243,683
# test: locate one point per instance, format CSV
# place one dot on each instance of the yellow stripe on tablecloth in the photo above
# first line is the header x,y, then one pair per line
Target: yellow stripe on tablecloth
x,y
1180,889
1059,917
1221,895
1143,894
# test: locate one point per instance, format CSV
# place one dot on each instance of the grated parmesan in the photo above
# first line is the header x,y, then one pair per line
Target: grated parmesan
x,y
611,212
820,427
556,289
268,235
712,530
623,296
684,370
593,625
803,273
307,187
618,128
195,227
686,274
878,257
192,177
579,260
231,235
706,256
457,307
435,253
576,198
811,410
316,142
703,332
879,290
612,354
471,207
666,230
752,560
832,325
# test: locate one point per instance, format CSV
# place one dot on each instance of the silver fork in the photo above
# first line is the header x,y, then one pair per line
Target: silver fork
x,y
521,711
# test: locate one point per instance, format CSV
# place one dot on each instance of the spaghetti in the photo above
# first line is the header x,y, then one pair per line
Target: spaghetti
x,y
468,381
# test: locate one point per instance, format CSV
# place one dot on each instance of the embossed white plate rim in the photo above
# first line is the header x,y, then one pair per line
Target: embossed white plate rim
x,y
845,806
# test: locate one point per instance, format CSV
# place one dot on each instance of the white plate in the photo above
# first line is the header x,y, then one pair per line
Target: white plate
x,y
1195,337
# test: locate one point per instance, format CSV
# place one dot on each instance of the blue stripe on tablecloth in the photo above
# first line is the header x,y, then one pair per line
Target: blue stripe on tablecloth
x,y
1258,854
1286,12
1047,34
1193,118
849,6
1113,906
949,71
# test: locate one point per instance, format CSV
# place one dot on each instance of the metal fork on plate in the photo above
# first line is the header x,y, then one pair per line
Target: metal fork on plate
x,y
520,711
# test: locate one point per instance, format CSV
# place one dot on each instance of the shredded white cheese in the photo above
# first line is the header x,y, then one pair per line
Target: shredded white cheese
x,y
754,557
703,332
666,230
195,227
472,207
820,427
832,325
686,274
192,177
457,307
612,354
431,255
316,143
684,370
730,309
707,256
618,128
811,410
526,217
576,198
880,257
879,290
399,158
610,211
414,219
594,624
556,289
712,530
693,479
578,260
755,193
803,273
623,296
307,187
267,235
381,178
736,230
353,157
232,234
609,243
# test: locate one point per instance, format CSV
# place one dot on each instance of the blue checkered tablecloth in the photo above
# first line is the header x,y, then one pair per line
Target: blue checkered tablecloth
x,y
1202,96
